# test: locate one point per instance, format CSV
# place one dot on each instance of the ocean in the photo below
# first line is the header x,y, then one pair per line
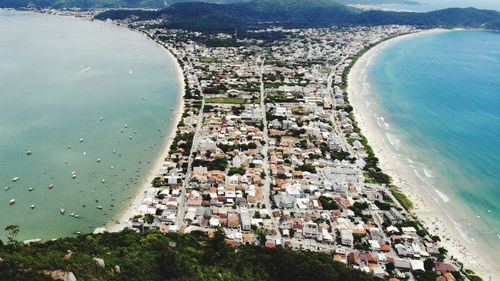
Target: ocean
x,y
91,101
439,96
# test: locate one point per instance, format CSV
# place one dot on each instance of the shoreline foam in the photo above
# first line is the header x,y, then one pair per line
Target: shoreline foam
x,y
426,199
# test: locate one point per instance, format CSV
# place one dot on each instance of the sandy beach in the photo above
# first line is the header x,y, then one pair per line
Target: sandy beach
x,y
123,218
427,207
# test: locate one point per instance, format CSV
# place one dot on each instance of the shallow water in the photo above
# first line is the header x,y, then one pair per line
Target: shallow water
x,y
440,97
58,77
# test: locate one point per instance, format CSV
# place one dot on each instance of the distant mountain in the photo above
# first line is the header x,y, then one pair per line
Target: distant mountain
x,y
302,13
89,4
83,4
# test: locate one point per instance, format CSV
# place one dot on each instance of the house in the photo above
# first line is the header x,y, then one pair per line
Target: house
x,y
346,237
246,220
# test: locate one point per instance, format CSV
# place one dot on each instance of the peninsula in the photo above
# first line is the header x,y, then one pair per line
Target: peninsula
x,y
268,150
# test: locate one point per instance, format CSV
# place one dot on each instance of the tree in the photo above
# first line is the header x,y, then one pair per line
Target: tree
x,y
429,264
13,231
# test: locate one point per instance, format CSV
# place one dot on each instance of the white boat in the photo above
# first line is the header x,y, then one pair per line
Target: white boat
x,y
72,214
76,216
101,118
84,153
32,206
103,180
69,146
7,188
14,179
12,201
61,211
126,126
51,186
99,207
30,189
81,139
29,152
98,160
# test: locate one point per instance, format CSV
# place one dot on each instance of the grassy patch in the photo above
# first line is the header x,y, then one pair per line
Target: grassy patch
x,y
231,100
402,199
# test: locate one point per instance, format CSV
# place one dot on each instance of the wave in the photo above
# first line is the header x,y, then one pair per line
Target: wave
x,y
394,141
443,196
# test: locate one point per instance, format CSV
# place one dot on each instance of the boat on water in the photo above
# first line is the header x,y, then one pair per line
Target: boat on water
x,y
32,206
81,139
31,189
72,214
7,188
51,186
29,152
99,207
12,201
61,211
101,118
14,179
98,160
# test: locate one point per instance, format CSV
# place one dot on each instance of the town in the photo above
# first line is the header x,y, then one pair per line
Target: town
x,y
268,151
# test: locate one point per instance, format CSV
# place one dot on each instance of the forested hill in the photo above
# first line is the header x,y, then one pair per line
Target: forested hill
x,y
301,13
90,4
156,256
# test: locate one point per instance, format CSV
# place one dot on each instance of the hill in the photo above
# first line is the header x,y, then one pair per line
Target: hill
x,y
156,256
301,13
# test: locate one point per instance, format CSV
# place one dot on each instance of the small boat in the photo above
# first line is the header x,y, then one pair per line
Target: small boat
x,y
73,176
69,146
101,118
32,206
72,214
121,131
98,160
78,232
12,201
130,137
171,108
84,153
76,216
14,179
489,211
7,188
61,211
29,152
31,189
126,126
99,207
81,139
103,180
51,186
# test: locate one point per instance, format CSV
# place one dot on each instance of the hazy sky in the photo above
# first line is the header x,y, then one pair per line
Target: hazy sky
x,y
429,5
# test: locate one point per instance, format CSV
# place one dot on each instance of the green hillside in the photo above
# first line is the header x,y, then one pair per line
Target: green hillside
x,y
156,256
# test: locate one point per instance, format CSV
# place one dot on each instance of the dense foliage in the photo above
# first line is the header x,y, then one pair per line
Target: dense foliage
x,y
207,17
156,256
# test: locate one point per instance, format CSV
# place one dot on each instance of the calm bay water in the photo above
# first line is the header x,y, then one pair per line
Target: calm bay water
x,y
58,77
440,94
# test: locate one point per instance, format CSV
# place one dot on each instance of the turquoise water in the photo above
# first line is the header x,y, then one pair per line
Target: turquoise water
x,y
440,94
58,77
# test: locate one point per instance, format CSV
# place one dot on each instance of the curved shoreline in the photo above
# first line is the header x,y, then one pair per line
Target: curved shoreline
x,y
426,207
123,218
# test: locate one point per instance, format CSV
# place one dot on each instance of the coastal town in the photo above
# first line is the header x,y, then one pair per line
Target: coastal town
x,y
268,151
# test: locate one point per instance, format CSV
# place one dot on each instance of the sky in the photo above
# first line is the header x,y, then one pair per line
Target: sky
x,y
430,5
